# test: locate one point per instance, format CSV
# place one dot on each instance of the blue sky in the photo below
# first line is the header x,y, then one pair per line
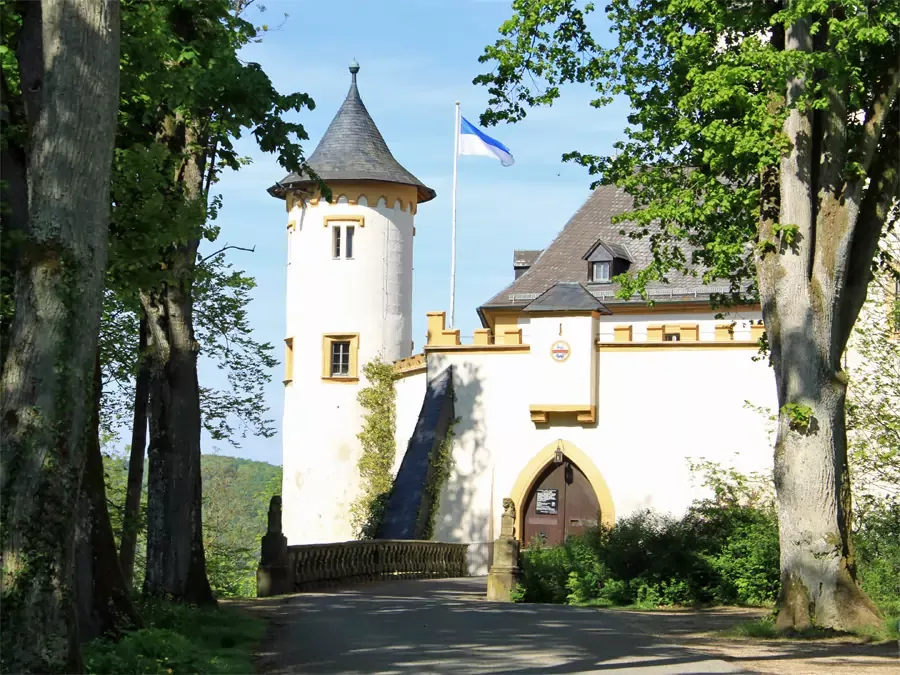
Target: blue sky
x,y
417,58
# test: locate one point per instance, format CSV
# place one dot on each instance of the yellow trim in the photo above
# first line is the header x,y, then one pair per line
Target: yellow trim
x,y
512,337
438,335
502,322
411,365
328,220
724,332
371,190
535,467
623,333
690,332
288,360
756,331
353,371
667,346
655,333
481,336
477,349
585,414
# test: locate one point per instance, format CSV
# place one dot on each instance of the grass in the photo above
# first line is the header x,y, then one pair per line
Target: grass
x,y
764,629
179,639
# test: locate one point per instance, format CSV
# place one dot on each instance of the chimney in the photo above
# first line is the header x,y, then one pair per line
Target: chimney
x,y
523,260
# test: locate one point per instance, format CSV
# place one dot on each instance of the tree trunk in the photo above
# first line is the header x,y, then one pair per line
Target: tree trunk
x,y
102,596
131,517
176,563
800,288
69,63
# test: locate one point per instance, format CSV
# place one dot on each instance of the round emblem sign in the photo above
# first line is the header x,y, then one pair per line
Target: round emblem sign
x,y
560,350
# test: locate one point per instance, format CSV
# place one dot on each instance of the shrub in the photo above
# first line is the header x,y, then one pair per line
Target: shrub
x,y
711,555
877,549
180,639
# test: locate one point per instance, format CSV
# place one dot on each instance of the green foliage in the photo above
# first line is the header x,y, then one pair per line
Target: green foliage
x,y
705,81
180,639
379,447
236,495
799,416
441,461
723,551
873,415
877,547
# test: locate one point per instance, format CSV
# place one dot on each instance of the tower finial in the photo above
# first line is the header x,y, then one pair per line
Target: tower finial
x,y
354,69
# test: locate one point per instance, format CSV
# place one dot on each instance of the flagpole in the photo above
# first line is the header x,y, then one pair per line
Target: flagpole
x,y
453,223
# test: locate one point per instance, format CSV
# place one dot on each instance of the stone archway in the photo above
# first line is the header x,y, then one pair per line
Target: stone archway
x,y
538,466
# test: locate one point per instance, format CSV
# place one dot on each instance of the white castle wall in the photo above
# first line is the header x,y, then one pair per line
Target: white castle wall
x,y
370,295
656,408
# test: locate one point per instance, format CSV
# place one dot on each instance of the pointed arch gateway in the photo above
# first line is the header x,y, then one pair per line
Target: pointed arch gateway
x,y
576,473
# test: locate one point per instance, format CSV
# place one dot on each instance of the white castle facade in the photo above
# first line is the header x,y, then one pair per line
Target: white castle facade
x,y
576,404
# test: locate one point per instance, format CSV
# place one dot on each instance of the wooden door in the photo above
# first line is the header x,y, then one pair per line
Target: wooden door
x,y
561,503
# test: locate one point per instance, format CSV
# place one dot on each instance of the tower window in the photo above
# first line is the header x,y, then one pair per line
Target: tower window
x,y
336,241
672,337
340,358
600,271
348,246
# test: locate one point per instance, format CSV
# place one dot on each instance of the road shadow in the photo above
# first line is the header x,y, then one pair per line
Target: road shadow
x,y
444,626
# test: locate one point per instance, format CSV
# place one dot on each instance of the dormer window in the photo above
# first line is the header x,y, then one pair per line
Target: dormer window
x,y
600,272
606,261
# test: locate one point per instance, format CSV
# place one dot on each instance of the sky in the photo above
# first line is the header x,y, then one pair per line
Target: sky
x,y
417,58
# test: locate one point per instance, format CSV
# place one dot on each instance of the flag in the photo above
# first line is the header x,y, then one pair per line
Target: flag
x,y
473,141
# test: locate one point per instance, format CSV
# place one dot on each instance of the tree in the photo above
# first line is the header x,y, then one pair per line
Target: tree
x,y
873,398
762,148
60,96
188,98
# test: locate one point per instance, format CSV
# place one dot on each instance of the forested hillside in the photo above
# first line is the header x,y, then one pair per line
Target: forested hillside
x,y
236,496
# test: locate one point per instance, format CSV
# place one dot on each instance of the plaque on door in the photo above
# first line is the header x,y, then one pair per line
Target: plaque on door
x,y
547,502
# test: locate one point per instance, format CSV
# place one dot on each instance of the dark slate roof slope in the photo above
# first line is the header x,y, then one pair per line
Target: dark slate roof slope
x,y
564,260
566,297
353,149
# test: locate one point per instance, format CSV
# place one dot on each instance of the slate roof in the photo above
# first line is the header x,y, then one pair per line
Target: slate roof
x,y
525,257
564,260
566,296
353,149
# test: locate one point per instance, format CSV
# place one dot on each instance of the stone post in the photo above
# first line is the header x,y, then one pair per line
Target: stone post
x,y
505,572
273,574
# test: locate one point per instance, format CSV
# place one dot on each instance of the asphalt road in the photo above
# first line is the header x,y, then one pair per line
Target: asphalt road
x,y
444,626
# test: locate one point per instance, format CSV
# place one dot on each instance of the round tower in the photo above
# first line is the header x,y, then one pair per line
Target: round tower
x,y
349,300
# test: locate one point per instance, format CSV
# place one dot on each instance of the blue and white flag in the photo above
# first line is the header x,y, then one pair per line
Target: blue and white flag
x,y
473,141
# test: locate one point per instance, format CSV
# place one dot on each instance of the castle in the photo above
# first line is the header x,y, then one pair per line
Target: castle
x,y
576,404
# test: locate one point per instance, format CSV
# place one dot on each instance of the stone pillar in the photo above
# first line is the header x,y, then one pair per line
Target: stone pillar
x,y
505,572
273,576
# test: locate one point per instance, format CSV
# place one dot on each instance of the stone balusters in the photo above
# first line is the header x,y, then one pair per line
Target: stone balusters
x,y
317,566
505,572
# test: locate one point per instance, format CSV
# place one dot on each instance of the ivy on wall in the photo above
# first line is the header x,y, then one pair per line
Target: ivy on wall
x,y
441,461
379,446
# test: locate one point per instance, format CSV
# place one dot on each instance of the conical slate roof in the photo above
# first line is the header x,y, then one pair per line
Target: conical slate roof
x,y
353,149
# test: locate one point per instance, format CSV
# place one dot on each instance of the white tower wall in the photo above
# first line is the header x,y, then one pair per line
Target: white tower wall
x,y
369,296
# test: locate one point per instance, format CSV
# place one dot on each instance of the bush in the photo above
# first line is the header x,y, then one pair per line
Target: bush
x,y
712,555
877,549
180,639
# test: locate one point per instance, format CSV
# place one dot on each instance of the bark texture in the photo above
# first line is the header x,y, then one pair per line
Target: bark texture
x,y
69,64
102,596
812,288
131,516
176,562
